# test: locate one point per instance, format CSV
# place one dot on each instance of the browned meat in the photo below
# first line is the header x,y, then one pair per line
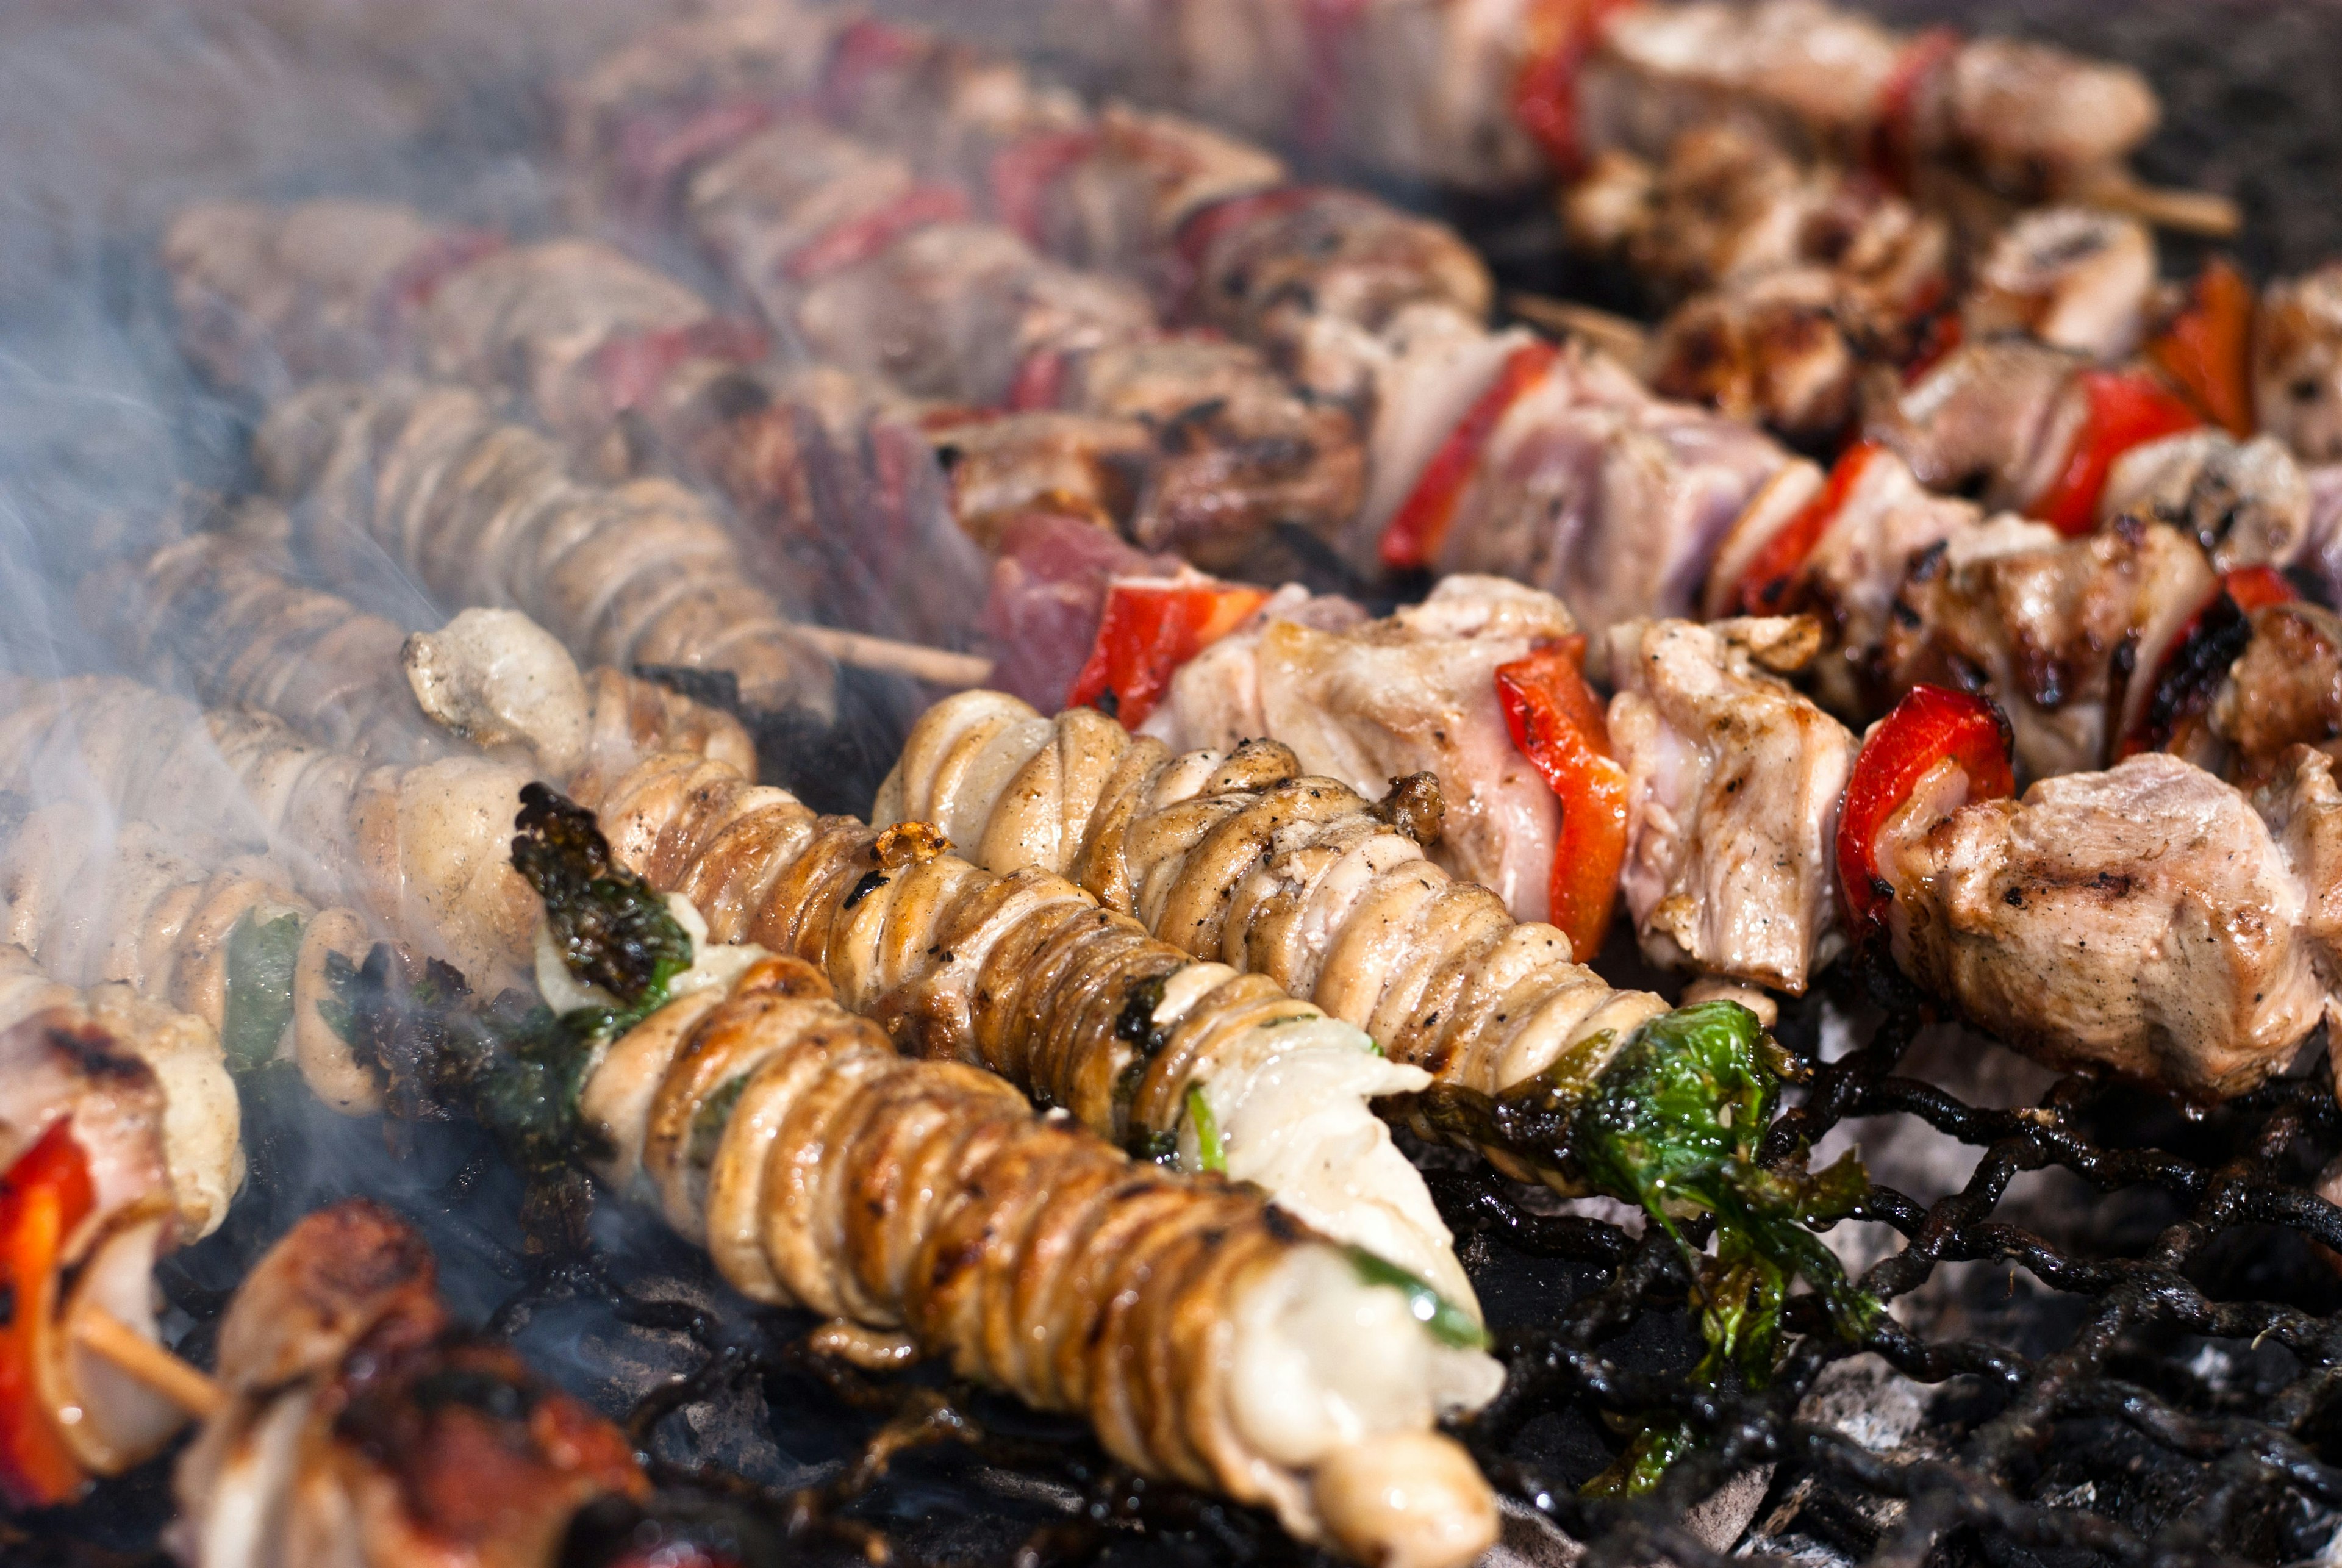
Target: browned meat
x,y
2052,628
1369,702
2141,920
1733,789
1002,466
2068,277
1770,349
2248,502
366,1431
2285,690
1981,422
1280,270
2298,362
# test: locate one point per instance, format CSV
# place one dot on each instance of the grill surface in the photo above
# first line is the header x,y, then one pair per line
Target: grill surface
x,y
2115,1340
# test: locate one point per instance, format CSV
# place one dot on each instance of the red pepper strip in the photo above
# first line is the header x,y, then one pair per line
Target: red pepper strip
x,y
1023,170
1420,524
1326,27
414,281
857,239
1560,35
2206,351
44,1199
1558,724
2127,408
656,149
863,51
2257,587
1894,131
1933,725
630,366
1149,629
2200,652
1764,588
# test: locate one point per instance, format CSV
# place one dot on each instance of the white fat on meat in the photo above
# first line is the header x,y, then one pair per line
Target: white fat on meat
x,y
1290,1102
1412,693
1734,780
2142,921
1328,1368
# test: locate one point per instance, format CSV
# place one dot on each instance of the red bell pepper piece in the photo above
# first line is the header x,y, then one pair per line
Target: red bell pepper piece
x,y
1764,588
857,239
1416,530
2206,351
44,1199
1945,332
1560,33
1151,627
1040,381
1559,725
1326,27
2127,408
1931,725
1023,170
2257,587
1894,131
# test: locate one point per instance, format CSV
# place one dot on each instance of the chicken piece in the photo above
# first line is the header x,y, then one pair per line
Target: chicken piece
x,y
2052,628
1238,450
1769,349
2141,921
1001,465
1281,264
2298,362
548,321
2248,502
1121,205
2071,278
958,310
2032,120
1371,703
1851,577
1982,422
1733,787
2284,691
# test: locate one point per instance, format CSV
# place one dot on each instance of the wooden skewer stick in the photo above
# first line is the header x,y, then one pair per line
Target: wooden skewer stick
x,y
135,1356
939,667
2183,212
1615,334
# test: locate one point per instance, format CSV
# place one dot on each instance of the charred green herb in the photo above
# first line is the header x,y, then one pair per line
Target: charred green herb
x,y
511,1064
611,928
261,955
1673,1124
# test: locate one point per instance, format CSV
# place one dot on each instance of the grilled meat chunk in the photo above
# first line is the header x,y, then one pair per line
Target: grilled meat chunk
x,y
1733,784
1372,702
2141,920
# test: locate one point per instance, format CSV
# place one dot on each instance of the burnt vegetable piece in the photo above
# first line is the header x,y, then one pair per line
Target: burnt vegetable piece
x,y
1672,1121
608,925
